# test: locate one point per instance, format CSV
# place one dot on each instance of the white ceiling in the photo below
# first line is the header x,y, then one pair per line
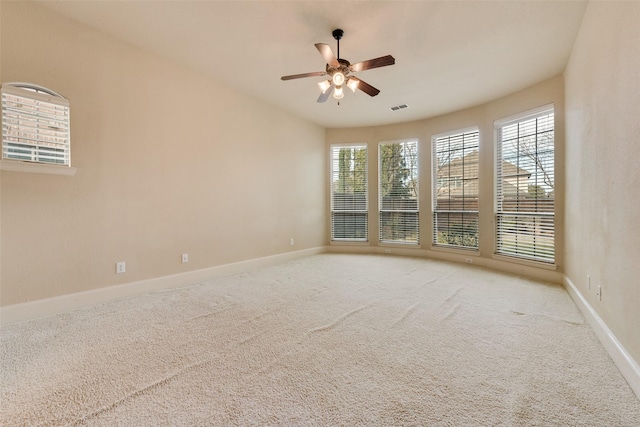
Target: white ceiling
x,y
449,55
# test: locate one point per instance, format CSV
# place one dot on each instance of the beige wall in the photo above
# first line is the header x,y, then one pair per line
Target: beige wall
x,y
547,92
168,162
603,166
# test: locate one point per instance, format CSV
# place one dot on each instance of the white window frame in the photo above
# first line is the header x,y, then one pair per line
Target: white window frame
x,y
35,132
408,229
357,210
527,234
463,243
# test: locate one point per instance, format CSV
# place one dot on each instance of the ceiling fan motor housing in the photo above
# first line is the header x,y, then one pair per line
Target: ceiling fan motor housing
x,y
343,67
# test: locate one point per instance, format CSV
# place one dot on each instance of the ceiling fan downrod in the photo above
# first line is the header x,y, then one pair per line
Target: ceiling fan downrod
x,y
337,34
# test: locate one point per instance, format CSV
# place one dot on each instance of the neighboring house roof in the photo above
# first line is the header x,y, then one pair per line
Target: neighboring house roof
x,y
516,179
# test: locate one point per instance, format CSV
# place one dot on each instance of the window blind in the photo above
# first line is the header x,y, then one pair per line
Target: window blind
x,y
349,204
525,187
398,192
455,189
35,125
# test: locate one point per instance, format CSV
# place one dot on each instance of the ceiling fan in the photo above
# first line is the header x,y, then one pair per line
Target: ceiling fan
x,y
340,71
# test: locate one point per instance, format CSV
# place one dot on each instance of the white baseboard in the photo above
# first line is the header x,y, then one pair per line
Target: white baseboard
x,y
623,360
63,303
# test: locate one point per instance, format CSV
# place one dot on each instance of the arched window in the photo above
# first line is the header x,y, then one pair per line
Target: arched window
x,y
35,125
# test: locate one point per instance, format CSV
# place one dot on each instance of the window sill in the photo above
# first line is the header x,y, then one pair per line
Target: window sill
x,y
455,250
530,263
349,243
399,244
27,167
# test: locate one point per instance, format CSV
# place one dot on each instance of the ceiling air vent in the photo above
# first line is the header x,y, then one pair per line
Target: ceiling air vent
x,y
399,107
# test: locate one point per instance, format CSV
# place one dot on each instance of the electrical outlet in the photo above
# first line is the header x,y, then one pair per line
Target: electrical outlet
x,y
121,267
185,258
468,260
291,241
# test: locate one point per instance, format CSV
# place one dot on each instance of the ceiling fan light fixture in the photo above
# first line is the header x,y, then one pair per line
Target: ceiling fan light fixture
x,y
324,85
338,93
338,79
353,84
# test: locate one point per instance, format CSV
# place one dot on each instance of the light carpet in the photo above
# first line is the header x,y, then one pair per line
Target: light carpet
x,y
328,340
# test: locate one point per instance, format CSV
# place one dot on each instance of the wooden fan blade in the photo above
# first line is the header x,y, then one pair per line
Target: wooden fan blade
x,y
327,54
366,87
327,93
299,76
383,61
